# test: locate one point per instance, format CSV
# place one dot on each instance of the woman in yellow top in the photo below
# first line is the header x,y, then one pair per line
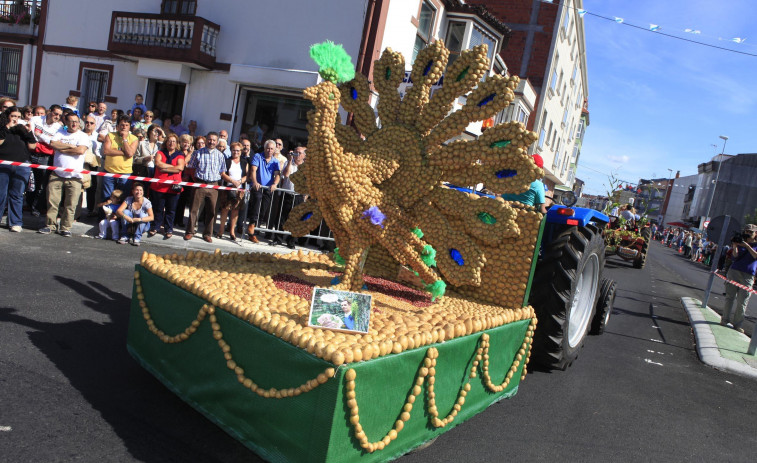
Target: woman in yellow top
x,y
118,151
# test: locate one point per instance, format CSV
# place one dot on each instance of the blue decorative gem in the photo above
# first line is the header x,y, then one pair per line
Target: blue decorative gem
x,y
335,281
428,68
506,173
456,256
306,216
487,100
353,93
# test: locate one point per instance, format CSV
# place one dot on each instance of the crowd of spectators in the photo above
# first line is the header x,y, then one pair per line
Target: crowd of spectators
x,y
138,143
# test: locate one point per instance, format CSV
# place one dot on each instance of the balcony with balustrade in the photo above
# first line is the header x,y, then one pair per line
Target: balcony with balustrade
x,y
182,38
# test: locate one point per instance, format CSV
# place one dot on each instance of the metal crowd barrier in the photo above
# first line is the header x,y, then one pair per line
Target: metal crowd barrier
x,y
273,222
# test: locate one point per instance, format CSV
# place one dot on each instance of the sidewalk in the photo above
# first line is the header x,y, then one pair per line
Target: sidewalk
x,y
87,228
720,347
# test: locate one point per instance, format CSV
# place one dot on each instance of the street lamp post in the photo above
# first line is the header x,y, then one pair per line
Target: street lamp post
x,y
668,191
715,185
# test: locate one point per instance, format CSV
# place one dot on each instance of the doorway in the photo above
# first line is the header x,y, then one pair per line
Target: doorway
x,y
269,115
166,97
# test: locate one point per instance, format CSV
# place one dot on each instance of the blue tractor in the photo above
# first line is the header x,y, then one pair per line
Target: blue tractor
x,y
566,287
568,292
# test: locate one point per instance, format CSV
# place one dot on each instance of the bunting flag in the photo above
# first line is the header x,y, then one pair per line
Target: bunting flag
x,y
668,31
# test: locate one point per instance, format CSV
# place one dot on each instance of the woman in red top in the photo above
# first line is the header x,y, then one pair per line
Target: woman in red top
x,y
169,163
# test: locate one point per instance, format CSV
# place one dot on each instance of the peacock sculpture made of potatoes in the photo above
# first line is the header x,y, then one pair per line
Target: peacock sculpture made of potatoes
x,y
377,185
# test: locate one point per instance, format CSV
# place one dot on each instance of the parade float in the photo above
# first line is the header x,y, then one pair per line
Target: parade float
x,y
449,274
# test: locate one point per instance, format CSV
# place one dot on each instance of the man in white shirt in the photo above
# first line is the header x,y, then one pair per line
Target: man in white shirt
x,y
90,128
44,128
70,146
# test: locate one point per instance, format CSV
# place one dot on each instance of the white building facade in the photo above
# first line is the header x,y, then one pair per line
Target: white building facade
x,y
236,65
563,99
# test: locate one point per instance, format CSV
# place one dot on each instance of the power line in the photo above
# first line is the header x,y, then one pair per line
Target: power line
x,y
670,35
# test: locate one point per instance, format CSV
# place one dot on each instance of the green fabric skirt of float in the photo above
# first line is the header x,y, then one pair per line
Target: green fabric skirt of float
x,y
233,372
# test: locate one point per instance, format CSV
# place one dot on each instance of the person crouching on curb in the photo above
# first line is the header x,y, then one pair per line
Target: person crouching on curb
x,y
136,214
110,221
742,271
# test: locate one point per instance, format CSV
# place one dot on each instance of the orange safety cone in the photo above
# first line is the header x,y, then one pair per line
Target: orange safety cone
x,y
680,250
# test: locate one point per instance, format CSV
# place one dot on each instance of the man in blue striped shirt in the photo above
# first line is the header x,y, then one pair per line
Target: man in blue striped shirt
x,y
209,164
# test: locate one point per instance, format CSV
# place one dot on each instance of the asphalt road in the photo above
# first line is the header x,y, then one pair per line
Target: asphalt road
x,y
70,391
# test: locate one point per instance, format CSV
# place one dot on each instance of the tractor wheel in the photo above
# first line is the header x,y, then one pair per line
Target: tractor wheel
x,y
566,286
641,260
604,306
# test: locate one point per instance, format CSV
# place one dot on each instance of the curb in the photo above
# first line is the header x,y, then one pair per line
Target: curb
x,y
707,346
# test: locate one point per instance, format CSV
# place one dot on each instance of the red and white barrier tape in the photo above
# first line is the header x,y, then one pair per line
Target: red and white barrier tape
x,y
738,285
127,176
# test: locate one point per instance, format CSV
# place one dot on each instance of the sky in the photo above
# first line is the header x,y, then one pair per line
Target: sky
x,y
659,103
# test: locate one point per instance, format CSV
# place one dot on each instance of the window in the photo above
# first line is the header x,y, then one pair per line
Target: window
x,y
455,40
10,68
565,117
575,70
521,115
425,27
580,132
566,25
543,132
94,86
560,84
478,37
179,7
553,82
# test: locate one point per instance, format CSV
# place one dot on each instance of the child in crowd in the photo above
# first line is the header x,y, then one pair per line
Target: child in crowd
x,y
111,220
139,102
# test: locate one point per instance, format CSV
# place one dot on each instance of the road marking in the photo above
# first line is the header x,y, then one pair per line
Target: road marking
x,y
5,428
656,340
728,382
656,327
653,363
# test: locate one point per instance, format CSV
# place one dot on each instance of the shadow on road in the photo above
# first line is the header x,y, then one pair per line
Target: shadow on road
x,y
650,316
153,424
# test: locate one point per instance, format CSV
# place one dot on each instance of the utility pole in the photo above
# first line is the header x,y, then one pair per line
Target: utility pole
x,y
715,185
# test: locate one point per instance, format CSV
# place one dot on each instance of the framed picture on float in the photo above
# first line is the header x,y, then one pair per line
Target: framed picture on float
x,y
340,310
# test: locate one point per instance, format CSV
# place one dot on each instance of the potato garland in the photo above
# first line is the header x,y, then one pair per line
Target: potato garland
x,y
355,94
397,172
461,76
207,309
428,68
243,285
426,374
388,73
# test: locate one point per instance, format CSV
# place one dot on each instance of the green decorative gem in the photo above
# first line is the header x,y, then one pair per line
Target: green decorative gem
x,y
462,75
388,73
500,144
487,218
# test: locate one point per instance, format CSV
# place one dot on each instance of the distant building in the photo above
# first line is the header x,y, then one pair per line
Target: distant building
x,y
650,195
674,212
735,192
596,202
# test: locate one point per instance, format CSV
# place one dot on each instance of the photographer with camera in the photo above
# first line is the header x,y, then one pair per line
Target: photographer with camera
x,y
742,271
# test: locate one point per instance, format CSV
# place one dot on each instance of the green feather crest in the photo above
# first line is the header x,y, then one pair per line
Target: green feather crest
x,y
436,289
333,62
